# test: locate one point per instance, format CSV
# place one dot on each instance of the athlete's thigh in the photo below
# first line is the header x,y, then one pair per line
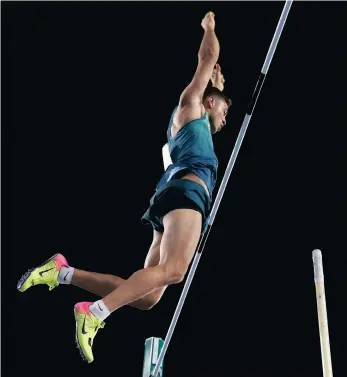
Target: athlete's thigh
x,y
182,229
153,255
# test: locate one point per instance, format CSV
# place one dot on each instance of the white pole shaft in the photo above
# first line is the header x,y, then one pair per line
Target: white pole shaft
x,y
248,115
242,132
322,313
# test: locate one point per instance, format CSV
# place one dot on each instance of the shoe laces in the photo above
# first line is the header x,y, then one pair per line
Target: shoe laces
x,y
99,326
52,285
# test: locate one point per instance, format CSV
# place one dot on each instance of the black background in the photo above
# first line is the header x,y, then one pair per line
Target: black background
x,y
88,89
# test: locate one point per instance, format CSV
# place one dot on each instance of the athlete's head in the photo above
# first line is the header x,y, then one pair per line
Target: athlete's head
x,y
216,104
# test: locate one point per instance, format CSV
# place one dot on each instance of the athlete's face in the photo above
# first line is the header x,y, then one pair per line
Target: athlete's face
x,y
218,110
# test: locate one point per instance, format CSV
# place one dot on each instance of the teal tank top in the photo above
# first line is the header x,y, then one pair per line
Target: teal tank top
x,y
191,150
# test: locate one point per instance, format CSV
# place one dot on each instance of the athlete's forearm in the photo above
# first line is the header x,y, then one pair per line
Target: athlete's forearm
x,y
219,86
209,47
217,78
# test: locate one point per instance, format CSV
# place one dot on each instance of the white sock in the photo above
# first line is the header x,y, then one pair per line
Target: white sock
x,y
99,309
65,275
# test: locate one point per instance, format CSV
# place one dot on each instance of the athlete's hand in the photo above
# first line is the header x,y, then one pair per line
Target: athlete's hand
x,y
208,22
217,78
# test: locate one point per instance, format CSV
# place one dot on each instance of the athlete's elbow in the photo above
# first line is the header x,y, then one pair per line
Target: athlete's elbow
x,y
209,55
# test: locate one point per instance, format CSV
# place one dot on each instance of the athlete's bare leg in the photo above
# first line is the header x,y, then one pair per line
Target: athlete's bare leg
x,y
178,244
103,284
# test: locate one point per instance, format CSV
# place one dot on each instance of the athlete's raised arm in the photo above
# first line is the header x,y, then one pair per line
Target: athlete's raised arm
x,y
207,59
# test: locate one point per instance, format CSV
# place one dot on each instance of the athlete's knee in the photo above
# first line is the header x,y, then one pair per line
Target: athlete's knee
x,y
175,271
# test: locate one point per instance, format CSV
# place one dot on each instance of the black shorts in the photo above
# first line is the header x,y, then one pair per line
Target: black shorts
x,y
175,194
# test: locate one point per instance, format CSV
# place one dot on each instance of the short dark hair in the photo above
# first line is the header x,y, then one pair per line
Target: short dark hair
x,y
215,92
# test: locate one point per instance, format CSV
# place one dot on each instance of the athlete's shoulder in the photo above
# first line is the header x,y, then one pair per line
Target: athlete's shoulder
x,y
187,114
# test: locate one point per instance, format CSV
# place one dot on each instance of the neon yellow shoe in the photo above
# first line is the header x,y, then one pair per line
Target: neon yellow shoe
x,y
87,326
46,273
